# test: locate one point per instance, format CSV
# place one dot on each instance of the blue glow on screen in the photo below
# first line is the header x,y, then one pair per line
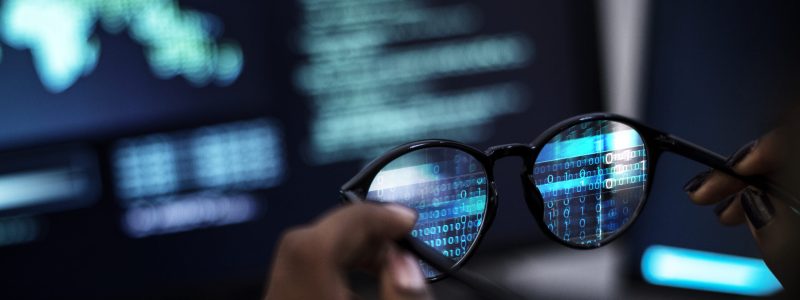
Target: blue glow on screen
x,y
589,145
19,230
708,271
592,178
60,36
241,156
52,178
37,187
447,187
179,181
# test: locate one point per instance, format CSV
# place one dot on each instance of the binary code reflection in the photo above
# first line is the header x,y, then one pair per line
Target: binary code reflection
x,y
592,179
447,187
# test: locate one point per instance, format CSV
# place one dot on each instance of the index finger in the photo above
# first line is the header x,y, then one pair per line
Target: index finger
x,y
359,228
764,157
318,255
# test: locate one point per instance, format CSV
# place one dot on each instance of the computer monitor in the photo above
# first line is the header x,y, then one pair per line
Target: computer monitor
x,y
160,147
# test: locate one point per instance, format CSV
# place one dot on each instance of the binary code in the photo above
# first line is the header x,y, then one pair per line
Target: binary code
x,y
447,187
592,178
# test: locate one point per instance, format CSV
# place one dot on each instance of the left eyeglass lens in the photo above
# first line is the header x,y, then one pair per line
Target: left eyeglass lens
x,y
448,189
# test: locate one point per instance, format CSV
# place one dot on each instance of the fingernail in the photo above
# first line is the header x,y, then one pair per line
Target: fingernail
x,y
407,273
723,205
741,153
757,206
403,211
696,181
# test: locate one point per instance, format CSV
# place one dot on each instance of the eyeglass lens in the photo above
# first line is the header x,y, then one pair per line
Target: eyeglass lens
x,y
592,178
447,187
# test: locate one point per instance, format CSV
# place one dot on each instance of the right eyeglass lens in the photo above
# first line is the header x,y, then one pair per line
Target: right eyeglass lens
x,y
593,179
447,187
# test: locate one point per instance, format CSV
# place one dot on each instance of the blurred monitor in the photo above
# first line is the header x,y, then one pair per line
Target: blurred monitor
x,y
728,82
159,147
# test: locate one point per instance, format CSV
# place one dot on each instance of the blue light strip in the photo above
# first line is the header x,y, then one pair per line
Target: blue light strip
x,y
692,269
40,187
590,145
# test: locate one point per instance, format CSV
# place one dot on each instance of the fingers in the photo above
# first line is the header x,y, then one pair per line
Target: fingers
x,y
361,229
755,158
402,278
713,186
771,221
765,156
296,265
320,255
774,225
730,211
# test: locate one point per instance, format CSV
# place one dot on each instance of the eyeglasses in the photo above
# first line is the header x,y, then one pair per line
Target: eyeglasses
x,y
585,179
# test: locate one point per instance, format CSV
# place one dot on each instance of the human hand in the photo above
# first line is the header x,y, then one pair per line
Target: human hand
x,y
312,262
772,222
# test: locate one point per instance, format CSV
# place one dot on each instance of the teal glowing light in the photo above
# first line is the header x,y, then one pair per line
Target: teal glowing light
x,y
589,145
176,41
58,34
708,271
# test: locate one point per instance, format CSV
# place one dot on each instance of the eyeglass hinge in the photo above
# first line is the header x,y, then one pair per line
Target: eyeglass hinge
x,y
664,139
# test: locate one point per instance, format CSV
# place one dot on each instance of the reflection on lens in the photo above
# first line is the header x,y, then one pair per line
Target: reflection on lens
x,y
447,187
592,177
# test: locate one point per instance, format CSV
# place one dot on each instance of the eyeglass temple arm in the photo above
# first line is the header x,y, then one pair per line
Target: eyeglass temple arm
x,y
485,288
704,156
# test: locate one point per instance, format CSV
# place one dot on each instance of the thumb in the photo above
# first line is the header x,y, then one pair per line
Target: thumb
x,y
774,226
401,277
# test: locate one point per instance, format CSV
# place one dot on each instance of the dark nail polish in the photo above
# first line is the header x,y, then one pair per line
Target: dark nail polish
x,y
723,205
757,207
696,181
741,153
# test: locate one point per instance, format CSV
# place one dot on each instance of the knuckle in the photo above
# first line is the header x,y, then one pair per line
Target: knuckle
x,y
763,158
760,160
362,217
296,243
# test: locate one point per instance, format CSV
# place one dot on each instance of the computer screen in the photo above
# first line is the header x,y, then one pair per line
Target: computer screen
x,y
160,147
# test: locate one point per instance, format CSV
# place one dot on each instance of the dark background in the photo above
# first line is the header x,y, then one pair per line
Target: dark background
x,y
719,75
716,73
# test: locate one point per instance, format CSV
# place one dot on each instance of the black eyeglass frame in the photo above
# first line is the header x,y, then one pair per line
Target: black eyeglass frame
x,y
655,142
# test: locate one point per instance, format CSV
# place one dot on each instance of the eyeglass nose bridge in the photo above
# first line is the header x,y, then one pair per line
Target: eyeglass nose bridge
x,y
518,150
